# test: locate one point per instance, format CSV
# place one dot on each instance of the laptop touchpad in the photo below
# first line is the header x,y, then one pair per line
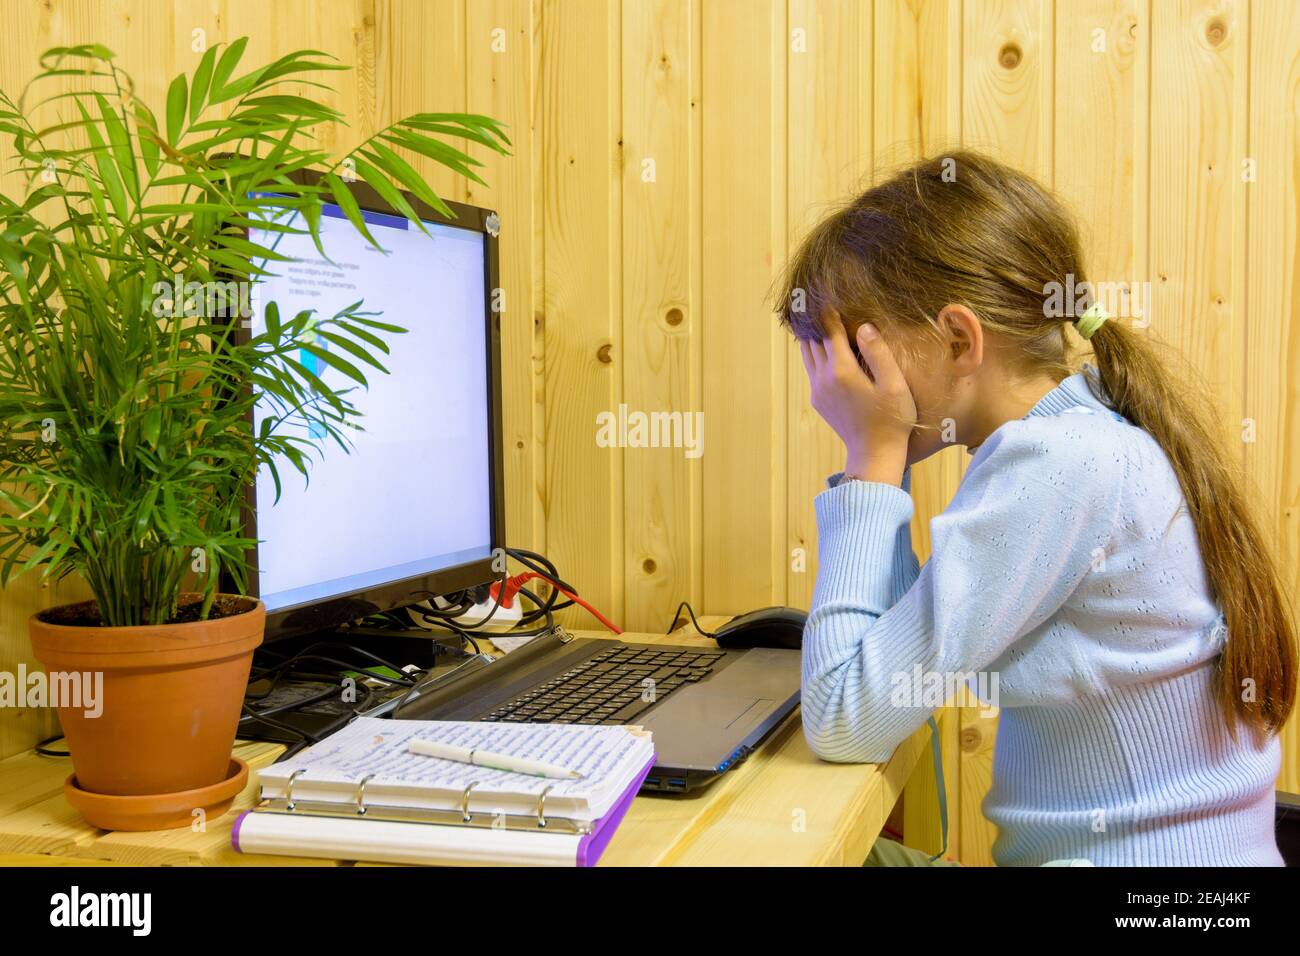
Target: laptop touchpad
x,y
709,710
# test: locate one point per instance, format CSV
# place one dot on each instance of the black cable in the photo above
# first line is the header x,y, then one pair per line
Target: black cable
x,y
344,670
538,564
456,609
325,694
292,750
45,751
401,702
292,668
443,616
344,665
258,673
464,634
541,612
544,609
691,612
345,646
305,738
284,728
394,620
459,603
543,566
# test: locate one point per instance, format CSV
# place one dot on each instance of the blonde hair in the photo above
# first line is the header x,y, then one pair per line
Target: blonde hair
x,y
965,229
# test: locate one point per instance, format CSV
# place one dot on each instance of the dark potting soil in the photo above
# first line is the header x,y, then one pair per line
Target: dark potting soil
x,y
86,613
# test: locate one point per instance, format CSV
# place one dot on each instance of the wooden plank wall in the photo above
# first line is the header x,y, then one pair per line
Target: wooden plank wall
x,y
669,153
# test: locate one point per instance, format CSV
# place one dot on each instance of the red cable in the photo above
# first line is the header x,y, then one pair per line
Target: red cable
x,y
519,580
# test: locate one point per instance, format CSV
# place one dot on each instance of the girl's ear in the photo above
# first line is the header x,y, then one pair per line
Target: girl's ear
x,y
963,338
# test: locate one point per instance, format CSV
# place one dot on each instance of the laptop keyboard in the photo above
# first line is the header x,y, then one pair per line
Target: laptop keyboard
x,y
611,687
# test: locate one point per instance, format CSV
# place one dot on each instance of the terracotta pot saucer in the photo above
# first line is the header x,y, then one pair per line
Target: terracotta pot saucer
x,y
157,811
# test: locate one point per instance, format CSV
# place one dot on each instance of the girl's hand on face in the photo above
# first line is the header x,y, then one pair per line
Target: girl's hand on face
x,y
870,408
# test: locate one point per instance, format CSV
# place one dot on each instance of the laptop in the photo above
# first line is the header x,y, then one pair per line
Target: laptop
x,y
707,708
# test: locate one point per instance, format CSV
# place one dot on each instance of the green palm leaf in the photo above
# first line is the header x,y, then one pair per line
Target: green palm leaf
x,y
125,428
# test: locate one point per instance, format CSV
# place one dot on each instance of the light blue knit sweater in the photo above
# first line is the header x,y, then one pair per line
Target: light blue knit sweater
x,y
1068,566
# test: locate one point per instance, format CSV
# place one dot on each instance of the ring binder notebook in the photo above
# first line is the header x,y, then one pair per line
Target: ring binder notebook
x,y
360,795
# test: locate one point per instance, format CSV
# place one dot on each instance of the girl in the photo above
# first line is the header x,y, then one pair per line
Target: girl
x,y
1099,559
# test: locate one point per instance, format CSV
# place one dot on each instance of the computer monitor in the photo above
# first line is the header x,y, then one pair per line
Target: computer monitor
x,y
415,508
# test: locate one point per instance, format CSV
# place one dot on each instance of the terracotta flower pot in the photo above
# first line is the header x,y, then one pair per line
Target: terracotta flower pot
x,y
171,697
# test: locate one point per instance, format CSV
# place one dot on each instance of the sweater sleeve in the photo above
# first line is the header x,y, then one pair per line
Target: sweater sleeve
x,y
1019,536
903,567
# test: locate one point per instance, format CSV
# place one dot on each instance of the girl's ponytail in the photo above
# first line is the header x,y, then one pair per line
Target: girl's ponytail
x,y
1257,670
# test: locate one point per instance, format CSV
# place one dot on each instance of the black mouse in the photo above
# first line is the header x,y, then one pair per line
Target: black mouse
x,y
768,627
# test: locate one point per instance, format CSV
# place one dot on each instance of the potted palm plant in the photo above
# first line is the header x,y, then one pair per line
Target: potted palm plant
x,y
126,443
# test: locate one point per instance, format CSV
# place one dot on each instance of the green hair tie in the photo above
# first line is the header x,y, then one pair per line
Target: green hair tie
x,y
1091,320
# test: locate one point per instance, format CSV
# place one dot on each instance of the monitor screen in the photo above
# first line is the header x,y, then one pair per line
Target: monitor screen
x,y
414,495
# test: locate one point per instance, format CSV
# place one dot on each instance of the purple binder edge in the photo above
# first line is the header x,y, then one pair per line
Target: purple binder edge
x,y
234,831
591,846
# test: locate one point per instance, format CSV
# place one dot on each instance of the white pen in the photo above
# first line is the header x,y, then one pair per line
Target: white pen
x,y
487,758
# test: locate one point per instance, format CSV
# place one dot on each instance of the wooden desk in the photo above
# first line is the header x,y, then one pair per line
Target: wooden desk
x,y
782,806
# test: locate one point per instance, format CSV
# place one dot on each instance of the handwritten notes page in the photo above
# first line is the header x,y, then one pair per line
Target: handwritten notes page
x,y
607,757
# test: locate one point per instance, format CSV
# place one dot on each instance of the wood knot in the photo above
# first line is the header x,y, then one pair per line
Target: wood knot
x,y
605,353
1216,31
674,316
649,566
1010,55
970,739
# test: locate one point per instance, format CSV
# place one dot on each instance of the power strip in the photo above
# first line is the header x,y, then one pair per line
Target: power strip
x,y
504,618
